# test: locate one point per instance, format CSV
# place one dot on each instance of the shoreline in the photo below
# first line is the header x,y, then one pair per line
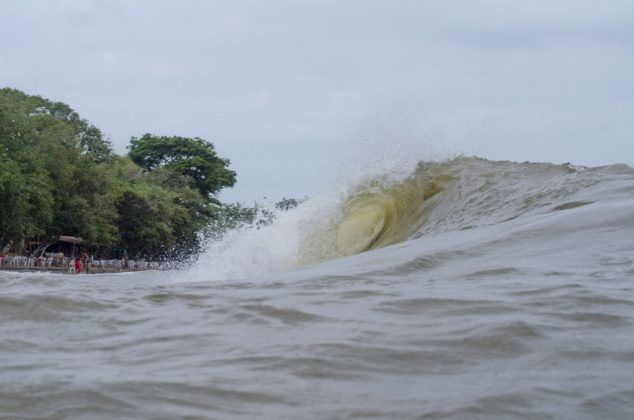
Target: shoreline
x,y
66,265
62,270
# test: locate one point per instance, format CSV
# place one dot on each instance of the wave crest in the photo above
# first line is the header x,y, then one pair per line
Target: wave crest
x,y
457,194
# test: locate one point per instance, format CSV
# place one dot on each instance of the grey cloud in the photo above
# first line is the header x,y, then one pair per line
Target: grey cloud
x,y
288,81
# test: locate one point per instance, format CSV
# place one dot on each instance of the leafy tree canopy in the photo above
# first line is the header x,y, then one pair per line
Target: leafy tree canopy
x,y
26,119
192,157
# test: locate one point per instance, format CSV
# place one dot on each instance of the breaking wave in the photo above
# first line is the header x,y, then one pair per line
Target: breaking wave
x,y
383,210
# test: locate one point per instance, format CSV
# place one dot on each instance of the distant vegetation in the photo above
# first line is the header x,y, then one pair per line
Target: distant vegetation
x,y
60,176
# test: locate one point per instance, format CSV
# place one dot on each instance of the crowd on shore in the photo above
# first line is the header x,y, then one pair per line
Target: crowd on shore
x,y
81,264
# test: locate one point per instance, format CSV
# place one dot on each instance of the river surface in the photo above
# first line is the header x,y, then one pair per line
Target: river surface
x,y
520,312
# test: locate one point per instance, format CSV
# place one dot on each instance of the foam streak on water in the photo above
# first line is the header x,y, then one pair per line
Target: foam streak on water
x,y
511,298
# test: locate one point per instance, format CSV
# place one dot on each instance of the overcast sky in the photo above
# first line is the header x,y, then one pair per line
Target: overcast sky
x,y
283,88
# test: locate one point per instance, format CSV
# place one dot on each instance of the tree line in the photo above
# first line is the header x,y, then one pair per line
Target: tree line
x,y
59,176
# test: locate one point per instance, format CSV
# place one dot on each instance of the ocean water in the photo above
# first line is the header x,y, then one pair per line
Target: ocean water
x,y
462,289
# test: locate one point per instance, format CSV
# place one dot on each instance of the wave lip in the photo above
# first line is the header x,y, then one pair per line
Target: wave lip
x,y
380,215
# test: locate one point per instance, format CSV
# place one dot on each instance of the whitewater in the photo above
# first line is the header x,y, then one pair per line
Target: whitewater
x,y
452,289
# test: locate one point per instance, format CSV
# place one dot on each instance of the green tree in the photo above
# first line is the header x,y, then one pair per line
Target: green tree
x,y
286,204
55,184
59,176
194,158
160,212
30,115
25,204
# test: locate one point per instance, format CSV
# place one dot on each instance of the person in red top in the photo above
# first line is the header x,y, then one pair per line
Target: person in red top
x,y
77,266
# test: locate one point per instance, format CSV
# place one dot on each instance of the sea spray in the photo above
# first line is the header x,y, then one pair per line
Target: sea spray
x,y
252,250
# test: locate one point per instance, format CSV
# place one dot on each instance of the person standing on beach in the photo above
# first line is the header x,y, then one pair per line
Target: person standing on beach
x,y
77,266
84,261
